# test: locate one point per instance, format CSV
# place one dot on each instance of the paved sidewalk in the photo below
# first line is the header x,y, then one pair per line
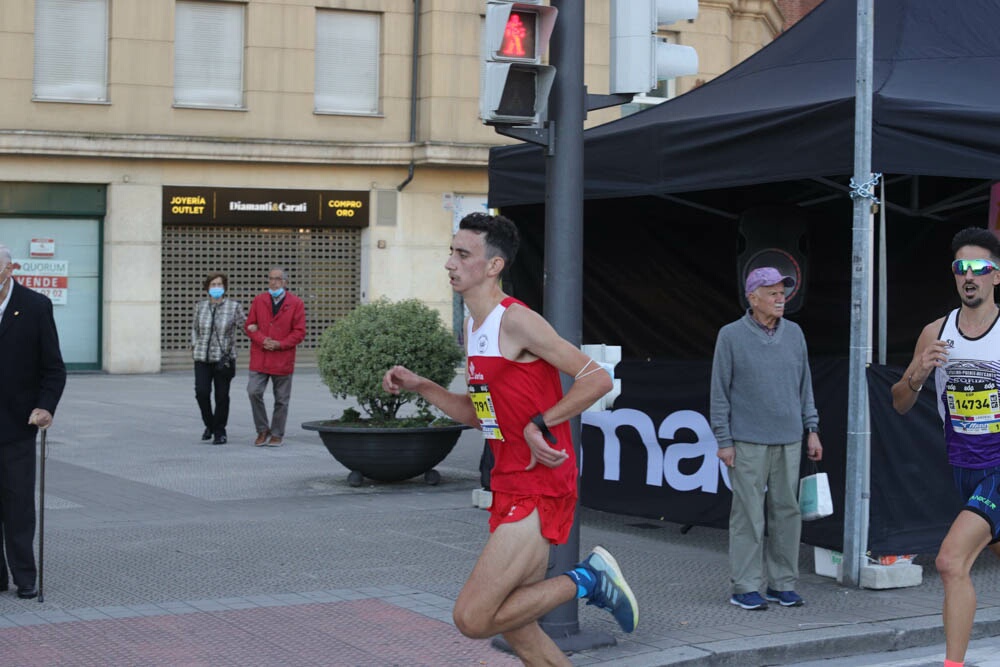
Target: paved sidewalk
x,y
163,550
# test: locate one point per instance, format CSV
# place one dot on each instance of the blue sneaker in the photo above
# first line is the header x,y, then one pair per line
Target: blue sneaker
x,y
752,601
611,592
784,598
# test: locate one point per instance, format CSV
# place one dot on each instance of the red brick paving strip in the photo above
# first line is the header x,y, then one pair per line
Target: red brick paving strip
x,y
358,633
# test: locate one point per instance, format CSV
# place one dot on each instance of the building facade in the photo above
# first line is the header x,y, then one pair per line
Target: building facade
x,y
145,143
794,10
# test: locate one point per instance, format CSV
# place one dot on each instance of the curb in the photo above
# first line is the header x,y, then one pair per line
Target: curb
x,y
790,648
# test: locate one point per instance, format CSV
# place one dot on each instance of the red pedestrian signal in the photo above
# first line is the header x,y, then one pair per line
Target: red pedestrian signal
x,y
514,87
519,36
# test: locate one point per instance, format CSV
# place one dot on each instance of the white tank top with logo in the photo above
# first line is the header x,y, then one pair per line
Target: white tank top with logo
x,y
968,389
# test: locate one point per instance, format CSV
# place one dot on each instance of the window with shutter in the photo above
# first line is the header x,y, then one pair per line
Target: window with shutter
x,y
208,54
71,50
347,62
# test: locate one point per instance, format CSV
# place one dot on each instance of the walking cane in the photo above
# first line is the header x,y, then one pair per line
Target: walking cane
x,y
41,522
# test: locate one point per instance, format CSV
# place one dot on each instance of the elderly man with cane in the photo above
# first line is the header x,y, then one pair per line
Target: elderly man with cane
x,y
33,380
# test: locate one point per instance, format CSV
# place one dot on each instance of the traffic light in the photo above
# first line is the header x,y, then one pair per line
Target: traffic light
x,y
639,58
514,89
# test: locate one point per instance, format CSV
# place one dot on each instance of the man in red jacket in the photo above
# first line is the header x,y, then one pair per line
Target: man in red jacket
x,y
276,324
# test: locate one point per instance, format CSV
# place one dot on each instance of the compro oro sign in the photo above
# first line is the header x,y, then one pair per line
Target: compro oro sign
x,y
46,276
264,207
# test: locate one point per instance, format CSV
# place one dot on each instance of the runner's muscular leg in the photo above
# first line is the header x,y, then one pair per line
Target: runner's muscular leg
x,y
535,648
537,596
966,538
507,588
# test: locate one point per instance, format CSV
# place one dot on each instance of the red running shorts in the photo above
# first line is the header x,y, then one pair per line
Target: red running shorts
x,y
554,513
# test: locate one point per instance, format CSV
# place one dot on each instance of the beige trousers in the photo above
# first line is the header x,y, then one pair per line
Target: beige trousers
x,y
765,474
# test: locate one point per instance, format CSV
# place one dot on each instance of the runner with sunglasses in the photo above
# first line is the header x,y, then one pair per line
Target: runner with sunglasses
x,y
962,350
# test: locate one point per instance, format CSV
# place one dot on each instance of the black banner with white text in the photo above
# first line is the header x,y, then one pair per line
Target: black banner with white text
x,y
654,456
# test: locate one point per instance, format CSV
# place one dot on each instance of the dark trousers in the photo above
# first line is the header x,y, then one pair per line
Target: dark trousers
x,y
205,376
485,465
282,387
17,508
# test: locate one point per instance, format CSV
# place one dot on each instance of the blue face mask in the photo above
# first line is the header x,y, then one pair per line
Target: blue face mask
x,y
216,292
276,293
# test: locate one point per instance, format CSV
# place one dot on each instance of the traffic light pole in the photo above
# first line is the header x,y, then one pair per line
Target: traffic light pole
x,y
563,271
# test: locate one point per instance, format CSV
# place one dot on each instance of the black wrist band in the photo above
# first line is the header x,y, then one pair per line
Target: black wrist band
x,y
546,433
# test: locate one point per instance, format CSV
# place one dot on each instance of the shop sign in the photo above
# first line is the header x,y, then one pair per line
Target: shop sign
x,y
265,207
43,248
46,276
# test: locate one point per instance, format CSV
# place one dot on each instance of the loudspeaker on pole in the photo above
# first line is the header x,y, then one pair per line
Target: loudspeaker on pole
x,y
774,236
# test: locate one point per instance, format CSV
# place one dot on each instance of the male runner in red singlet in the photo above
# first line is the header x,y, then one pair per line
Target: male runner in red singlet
x,y
962,351
515,397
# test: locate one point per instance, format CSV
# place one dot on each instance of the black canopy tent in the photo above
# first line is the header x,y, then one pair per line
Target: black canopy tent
x,y
667,190
787,112
670,184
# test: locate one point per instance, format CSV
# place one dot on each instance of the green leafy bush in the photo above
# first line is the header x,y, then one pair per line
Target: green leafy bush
x,y
359,348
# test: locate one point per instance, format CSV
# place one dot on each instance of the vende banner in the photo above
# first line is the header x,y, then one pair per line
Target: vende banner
x,y
654,456
46,276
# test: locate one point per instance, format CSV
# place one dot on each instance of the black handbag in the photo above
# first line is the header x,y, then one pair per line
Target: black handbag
x,y
227,364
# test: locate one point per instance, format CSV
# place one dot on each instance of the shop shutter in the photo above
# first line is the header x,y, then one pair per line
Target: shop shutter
x,y
323,264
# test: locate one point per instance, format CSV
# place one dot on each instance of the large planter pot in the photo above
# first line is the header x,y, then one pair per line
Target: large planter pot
x,y
387,454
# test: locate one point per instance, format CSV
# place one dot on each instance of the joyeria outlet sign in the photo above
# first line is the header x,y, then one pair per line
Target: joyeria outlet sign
x,y
265,207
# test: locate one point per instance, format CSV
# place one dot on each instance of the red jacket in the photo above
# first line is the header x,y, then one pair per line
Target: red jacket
x,y
288,327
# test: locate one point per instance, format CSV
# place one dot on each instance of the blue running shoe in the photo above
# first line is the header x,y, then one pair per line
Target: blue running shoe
x,y
752,601
611,592
784,598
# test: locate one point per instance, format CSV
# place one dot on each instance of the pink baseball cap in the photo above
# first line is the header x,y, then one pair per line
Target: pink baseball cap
x,y
767,276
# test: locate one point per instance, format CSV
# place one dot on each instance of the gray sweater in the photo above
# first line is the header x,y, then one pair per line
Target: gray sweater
x,y
761,385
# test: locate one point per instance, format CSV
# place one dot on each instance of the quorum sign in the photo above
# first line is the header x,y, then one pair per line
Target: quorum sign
x,y
265,208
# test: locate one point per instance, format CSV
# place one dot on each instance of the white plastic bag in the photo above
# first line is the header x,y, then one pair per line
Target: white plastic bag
x,y
815,500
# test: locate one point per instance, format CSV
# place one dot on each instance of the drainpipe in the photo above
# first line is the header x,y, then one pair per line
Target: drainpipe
x,y
413,92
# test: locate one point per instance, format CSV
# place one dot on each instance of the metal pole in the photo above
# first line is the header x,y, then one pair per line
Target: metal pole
x,y
856,494
883,289
563,291
563,277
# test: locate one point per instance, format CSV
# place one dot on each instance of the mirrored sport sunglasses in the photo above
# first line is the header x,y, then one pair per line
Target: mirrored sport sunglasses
x,y
979,267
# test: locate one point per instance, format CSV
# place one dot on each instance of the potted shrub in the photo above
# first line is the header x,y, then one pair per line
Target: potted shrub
x,y
388,443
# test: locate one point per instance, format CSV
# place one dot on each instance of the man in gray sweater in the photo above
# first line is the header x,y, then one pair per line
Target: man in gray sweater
x,y
761,402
